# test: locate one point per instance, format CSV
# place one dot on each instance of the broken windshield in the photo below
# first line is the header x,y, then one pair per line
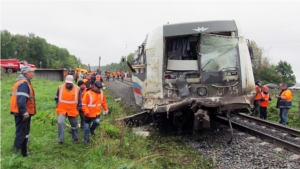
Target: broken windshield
x,y
218,52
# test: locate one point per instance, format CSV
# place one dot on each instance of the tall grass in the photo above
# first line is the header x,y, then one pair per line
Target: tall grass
x,y
114,146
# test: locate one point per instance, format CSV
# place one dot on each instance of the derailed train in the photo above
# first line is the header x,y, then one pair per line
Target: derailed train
x,y
185,73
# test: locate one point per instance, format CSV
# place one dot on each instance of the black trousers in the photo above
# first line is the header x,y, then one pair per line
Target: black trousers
x,y
81,114
22,134
263,112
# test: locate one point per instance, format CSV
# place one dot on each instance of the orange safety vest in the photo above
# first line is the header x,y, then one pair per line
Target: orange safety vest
x,y
92,103
114,74
30,104
286,99
67,100
98,78
258,93
118,73
265,102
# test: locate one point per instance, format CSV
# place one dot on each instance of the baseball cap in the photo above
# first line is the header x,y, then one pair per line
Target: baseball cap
x,y
98,84
25,69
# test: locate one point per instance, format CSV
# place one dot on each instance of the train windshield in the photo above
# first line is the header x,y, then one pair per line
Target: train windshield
x,y
218,52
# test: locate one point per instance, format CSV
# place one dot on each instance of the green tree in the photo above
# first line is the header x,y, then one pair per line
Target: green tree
x,y
7,45
285,71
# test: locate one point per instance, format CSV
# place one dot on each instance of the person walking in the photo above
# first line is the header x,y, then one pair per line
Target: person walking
x,y
22,106
92,103
118,74
87,81
284,103
82,91
264,102
108,75
99,78
81,75
258,96
68,102
122,76
113,75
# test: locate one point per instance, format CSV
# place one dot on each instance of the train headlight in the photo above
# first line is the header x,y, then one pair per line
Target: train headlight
x,y
202,91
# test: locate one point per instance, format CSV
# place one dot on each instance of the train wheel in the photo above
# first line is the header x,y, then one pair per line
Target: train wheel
x,y
9,70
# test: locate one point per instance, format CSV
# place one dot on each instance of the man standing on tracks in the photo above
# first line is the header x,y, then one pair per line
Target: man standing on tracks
x,y
108,75
284,103
122,75
258,96
113,75
22,105
118,74
264,102
92,103
68,102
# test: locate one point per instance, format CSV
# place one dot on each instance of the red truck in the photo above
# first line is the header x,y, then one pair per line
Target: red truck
x,y
13,65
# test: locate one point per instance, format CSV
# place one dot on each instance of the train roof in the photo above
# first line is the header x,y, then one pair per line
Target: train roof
x,y
199,27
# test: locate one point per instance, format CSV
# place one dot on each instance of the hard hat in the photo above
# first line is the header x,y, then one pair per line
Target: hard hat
x,y
265,88
98,84
69,79
258,81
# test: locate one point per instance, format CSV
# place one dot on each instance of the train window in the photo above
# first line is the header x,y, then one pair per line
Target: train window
x,y
182,48
218,52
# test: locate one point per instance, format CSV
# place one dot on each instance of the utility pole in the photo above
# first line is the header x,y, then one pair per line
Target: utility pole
x,y
99,65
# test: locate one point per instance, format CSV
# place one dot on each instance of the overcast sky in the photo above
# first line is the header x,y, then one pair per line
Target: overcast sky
x,y
89,29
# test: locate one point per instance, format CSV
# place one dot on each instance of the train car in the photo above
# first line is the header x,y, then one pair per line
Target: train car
x,y
187,72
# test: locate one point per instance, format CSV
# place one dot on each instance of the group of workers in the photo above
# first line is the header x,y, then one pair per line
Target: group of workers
x,y
85,99
262,98
115,74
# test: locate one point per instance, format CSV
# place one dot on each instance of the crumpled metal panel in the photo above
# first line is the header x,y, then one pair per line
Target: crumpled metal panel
x,y
152,86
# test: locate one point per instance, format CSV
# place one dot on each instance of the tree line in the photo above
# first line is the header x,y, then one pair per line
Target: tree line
x,y
269,72
35,49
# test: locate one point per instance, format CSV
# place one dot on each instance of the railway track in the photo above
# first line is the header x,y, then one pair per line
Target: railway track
x,y
280,135
125,81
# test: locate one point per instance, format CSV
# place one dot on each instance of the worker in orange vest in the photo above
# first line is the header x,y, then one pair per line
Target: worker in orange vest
x,y
88,82
82,91
284,103
113,75
257,98
264,102
122,75
68,102
22,106
118,74
99,78
92,103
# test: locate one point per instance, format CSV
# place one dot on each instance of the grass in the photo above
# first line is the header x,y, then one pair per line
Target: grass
x,y
293,114
114,146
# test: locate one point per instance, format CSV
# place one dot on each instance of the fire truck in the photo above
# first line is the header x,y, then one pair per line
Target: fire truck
x,y
13,65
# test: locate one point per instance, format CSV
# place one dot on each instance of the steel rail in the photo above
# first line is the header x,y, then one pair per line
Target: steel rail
x,y
276,126
292,147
